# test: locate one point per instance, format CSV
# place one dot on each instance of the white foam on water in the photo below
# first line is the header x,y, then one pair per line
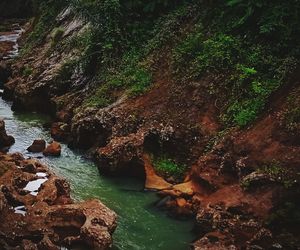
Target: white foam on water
x,y
20,210
41,174
33,186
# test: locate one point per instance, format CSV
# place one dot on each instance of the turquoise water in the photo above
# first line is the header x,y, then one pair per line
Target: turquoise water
x,y
140,225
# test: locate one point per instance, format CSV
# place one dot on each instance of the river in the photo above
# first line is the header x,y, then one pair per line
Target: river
x,y
140,224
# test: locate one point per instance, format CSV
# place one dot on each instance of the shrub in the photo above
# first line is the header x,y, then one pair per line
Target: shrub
x,y
56,35
167,167
27,71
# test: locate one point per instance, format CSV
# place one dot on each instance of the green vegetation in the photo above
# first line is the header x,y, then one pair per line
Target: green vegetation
x,y
44,22
65,72
169,168
56,35
249,47
27,71
293,120
248,51
279,174
291,116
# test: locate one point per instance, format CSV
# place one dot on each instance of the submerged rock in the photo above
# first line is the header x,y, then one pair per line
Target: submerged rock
x,y
37,146
53,149
47,218
5,140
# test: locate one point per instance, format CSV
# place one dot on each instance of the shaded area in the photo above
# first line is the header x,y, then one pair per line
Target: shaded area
x,y
16,8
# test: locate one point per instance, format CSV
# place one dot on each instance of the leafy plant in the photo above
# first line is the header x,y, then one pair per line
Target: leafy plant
x,y
279,174
27,71
56,35
167,167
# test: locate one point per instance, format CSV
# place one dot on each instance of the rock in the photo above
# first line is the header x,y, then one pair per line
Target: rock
x,y
256,179
5,73
37,146
162,203
53,149
50,217
5,140
181,202
263,238
186,188
204,221
59,131
212,243
153,181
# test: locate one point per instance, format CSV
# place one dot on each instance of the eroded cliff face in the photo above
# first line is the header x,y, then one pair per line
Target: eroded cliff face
x,y
235,181
37,212
52,219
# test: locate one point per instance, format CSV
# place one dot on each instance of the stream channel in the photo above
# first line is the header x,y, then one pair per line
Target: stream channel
x,y
140,224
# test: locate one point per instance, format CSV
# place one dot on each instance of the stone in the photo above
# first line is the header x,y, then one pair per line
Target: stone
x,y
37,146
256,179
59,131
53,149
181,202
5,140
5,73
50,217
153,181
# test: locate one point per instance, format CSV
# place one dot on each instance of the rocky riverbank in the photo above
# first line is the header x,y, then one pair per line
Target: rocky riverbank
x,y
36,211
234,185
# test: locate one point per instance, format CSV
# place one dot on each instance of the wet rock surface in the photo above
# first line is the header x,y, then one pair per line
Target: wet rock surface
x,y
36,211
229,196
53,149
5,140
37,146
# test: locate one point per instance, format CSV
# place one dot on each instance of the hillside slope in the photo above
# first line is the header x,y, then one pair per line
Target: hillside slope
x,y
209,92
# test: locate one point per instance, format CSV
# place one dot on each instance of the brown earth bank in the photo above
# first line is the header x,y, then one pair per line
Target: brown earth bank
x,y
36,211
234,187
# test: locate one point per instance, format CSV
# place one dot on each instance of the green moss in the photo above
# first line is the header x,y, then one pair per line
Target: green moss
x,y
280,174
100,99
44,22
56,35
169,168
251,46
27,71
132,76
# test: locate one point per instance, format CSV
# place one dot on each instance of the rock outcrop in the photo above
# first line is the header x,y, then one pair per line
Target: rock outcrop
x,y
37,146
232,184
36,211
53,149
5,140
5,72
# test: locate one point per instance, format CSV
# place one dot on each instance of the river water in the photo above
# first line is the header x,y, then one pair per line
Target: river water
x,y
140,224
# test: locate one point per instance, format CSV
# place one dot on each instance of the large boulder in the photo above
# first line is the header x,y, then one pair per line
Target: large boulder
x,y
47,218
37,146
5,140
53,149
5,72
